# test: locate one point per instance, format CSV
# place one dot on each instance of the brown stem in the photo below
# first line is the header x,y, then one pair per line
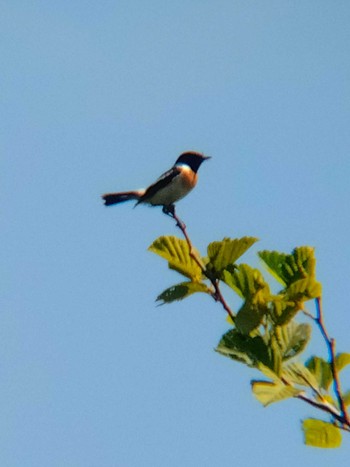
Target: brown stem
x,y
217,295
326,408
331,350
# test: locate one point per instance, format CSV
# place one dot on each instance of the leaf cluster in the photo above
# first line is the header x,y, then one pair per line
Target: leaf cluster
x,y
264,333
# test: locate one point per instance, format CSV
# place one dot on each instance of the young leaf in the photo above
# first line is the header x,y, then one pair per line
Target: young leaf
x,y
275,354
267,371
303,289
245,349
268,392
283,310
287,304
221,254
297,373
293,338
181,291
346,398
245,281
290,268
321,370
320,434
342,360
277,265
305,259
250,315
175,251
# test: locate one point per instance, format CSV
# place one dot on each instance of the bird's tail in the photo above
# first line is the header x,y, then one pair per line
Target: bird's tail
x,y
115,198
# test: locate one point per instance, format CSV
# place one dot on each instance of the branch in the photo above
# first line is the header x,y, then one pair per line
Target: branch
x,y
217,295
319,405
331,350
341,415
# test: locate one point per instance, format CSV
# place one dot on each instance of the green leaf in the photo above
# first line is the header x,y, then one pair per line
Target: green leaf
x,y
320,434
303,289
321,370
346,398
267,372
297,373
293,338
245,280
181,291
287,304
242,348
268,392
283,310
226,252
250,315
277,265
275,354
290,268
342,360
305,259
249,284
176,252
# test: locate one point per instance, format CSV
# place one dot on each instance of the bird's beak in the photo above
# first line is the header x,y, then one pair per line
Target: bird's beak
x,y
206,157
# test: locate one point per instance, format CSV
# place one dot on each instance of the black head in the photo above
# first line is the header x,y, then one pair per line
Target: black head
x,y
192,159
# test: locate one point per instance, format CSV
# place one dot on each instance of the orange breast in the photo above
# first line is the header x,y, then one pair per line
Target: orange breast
x,y
179,187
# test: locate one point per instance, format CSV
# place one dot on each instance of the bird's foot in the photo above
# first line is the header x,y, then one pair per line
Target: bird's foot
x,y
169,210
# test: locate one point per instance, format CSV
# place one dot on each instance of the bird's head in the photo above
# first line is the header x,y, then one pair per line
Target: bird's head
x,y
192,159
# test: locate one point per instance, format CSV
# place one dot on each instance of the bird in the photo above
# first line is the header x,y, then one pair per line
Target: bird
x,y
169,188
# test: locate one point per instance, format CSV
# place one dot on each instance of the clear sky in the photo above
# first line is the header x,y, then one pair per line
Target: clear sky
x,y
103,95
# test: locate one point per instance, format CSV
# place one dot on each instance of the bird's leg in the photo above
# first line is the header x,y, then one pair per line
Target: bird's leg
x,y
169,210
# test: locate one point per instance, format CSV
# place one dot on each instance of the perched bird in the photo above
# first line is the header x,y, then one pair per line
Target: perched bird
x,y
169,188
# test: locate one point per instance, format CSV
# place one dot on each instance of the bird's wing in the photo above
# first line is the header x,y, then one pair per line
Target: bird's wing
x,y
162,182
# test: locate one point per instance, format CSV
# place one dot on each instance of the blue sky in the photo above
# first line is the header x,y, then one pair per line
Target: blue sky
x,y
101,96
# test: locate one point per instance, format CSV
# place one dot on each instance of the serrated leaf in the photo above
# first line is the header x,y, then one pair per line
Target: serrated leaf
x,y
342,360
245,281
181,291
305,259
268,372
249,284
290,268
320,434
226,252
297,373
321,370
303,289
245,349
275,354
290,301
293,338
250,315
176,252
283,310
276,263
268,392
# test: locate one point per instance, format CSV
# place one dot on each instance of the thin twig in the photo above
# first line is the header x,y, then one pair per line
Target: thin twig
x,y
217,295
220,298
331,350
321,406
183,229
308,314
